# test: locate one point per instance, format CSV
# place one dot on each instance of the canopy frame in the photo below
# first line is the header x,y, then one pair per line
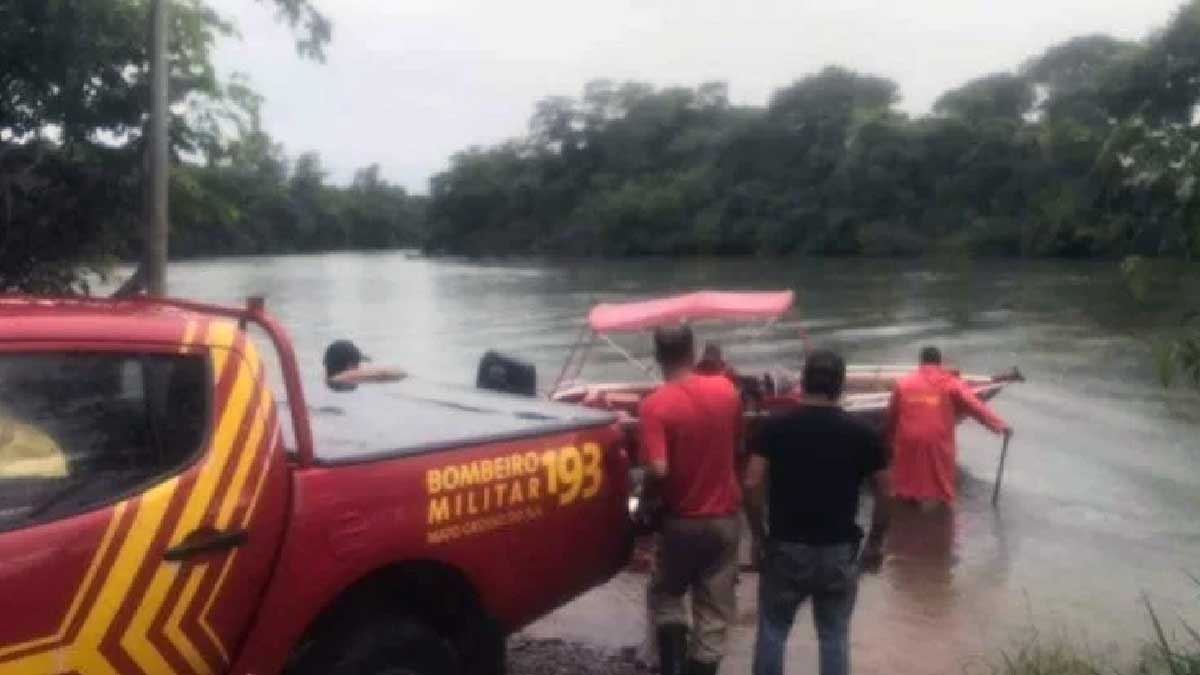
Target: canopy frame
x,y
629,317
766,306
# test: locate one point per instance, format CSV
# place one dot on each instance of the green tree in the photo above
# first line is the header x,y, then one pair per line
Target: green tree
x,y
73,101
1000,96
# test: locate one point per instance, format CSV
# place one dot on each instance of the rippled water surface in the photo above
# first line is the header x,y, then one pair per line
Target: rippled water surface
x,y
1102,492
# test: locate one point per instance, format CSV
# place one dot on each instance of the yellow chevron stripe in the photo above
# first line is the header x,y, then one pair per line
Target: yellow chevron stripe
x,y
222,452
272,445
235,494
175,633
246,518
135,640
242,473
84,656
221,335
198,507
189,336
85,585
115,592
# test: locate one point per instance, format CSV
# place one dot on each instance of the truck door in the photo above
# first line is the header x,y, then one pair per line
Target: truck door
x,y
142,499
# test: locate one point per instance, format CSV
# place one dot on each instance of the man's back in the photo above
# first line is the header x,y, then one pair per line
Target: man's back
x,y
924,410
695,424
927,404
819,457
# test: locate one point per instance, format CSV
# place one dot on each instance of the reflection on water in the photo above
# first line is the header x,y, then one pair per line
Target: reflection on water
x,y
921,552
1103,483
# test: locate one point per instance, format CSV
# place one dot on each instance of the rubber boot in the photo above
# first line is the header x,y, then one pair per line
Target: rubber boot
x,y
672,648
695,667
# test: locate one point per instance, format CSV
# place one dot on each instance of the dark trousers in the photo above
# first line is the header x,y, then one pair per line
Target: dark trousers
x,y
698,555
791,574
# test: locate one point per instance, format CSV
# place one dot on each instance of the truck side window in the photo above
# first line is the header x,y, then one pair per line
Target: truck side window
x,y
79,431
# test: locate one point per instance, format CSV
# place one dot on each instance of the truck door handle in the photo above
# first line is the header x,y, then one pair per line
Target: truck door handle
x,y
206,540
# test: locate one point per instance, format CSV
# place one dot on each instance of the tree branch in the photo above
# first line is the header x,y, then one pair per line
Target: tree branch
x,y
134,285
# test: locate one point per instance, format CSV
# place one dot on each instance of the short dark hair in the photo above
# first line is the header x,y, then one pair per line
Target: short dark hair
x,y
341,356
931,356
674,346
824,374
712,351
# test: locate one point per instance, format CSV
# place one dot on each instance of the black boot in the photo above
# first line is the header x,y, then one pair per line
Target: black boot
x,y
672,648
695,667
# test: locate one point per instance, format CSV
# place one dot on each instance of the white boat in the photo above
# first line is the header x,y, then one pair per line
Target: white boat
x,y
868,387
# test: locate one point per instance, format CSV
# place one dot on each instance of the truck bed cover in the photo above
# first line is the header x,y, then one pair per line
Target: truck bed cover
x,y
380,421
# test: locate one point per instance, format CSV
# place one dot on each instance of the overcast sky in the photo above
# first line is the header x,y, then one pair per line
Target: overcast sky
x,y
410,82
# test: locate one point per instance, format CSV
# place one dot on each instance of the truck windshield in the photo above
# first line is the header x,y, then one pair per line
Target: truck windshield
x,y
78,431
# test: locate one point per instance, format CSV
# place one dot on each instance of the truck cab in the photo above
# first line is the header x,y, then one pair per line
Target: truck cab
x,y
165,509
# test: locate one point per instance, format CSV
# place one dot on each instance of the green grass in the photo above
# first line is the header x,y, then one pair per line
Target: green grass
x,y
1168,654
1172,658
1040,659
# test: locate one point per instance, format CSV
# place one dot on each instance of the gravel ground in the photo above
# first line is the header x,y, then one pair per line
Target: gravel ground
x,y
553,656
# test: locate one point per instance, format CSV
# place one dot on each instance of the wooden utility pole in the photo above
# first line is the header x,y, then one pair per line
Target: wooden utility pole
x,y
154,262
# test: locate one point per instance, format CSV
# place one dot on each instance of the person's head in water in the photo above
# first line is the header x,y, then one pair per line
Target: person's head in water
x,y
344,368
342,356
931,356
711,359
674,348
824,374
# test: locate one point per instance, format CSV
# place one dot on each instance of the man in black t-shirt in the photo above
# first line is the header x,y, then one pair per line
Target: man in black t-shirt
x,y
813,461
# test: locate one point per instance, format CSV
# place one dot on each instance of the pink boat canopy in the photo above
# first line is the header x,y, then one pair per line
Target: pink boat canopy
x,y
631,316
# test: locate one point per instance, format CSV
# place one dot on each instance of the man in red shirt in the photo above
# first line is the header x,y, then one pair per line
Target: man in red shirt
x,y
922,416
712,362
690,430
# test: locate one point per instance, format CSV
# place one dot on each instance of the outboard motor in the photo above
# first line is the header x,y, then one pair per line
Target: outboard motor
x,y
498,372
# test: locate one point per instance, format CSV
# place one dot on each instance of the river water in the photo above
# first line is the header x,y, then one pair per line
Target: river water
x,y
1102,493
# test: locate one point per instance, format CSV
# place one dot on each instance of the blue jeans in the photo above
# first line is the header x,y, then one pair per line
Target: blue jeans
x,y
791,574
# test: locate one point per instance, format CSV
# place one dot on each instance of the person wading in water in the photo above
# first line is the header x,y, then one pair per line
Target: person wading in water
x,y
921,420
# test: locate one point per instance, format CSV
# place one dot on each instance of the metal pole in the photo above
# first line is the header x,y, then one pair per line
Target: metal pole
x,y
562,374
1000,470
155,252
648,369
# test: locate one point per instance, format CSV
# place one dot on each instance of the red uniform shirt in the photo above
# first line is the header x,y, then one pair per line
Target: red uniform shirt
x,y
924,410
695,426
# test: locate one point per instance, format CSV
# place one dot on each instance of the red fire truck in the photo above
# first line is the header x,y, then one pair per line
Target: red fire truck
x,y
165,509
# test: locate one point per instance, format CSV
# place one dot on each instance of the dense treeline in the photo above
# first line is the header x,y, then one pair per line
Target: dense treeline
x,y
73,106
258,201
1086,150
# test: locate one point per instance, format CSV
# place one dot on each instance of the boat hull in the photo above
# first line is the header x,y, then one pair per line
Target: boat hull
x,y
868,392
